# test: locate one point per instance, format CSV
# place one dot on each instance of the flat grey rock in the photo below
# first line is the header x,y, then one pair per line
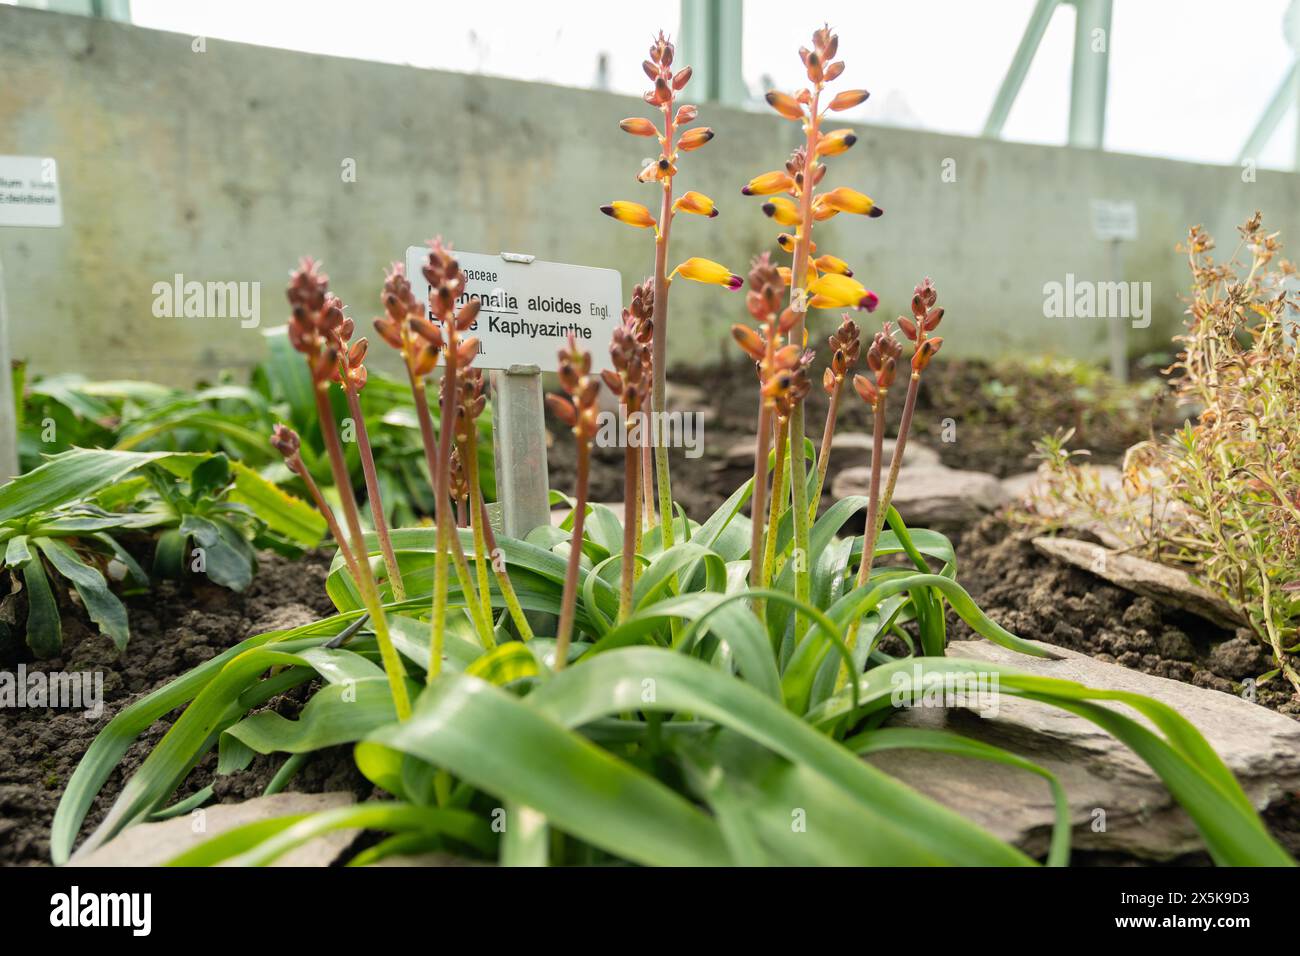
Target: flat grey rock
x,y
1103,779
1163,584
932,496
848,450
153,844
1025,485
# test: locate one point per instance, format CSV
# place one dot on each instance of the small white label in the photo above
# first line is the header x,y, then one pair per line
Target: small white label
x,y
29,192
528,308
1114,219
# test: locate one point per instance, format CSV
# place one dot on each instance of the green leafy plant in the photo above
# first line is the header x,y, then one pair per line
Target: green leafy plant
x,y
1217,496
673,714
79,516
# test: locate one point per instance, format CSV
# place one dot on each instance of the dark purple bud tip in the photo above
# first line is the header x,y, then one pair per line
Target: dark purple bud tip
x,y
850,139
876,212
735,282
769,209
746,191
714,213
869,301
607,210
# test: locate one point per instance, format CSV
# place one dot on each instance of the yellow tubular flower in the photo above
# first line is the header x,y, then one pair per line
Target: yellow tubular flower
x,y
834,291
829,263
706,270
785,274
697,203
632,213
777,181
845,199
783,210
832,144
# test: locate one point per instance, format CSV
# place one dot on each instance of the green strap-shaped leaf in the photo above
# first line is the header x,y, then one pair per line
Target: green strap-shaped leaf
x,y
265,841
44,630
508,748
1189,767
948,742
103,606
641,678
73,474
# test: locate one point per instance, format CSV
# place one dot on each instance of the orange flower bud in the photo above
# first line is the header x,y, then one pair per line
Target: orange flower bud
x,y
750,341
390,331
427,331
865,389
638,126
632,213
467,349
686,114
782,210
695,138
778,181
829,263
785,104
697,203
467,315
562,409
927,351
850,200
849,99
426,361
821,211
839,141
682,77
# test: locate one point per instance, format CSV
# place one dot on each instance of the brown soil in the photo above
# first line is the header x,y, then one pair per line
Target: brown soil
x,y
997,411
173,629
1038,598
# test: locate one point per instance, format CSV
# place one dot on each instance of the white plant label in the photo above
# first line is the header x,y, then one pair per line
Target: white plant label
x,y
528,309
1114,219
29,192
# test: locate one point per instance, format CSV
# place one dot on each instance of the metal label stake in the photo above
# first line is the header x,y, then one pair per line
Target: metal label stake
x,y
519,440
527,310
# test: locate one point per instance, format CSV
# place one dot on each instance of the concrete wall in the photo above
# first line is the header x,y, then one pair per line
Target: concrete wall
x,y
226,165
